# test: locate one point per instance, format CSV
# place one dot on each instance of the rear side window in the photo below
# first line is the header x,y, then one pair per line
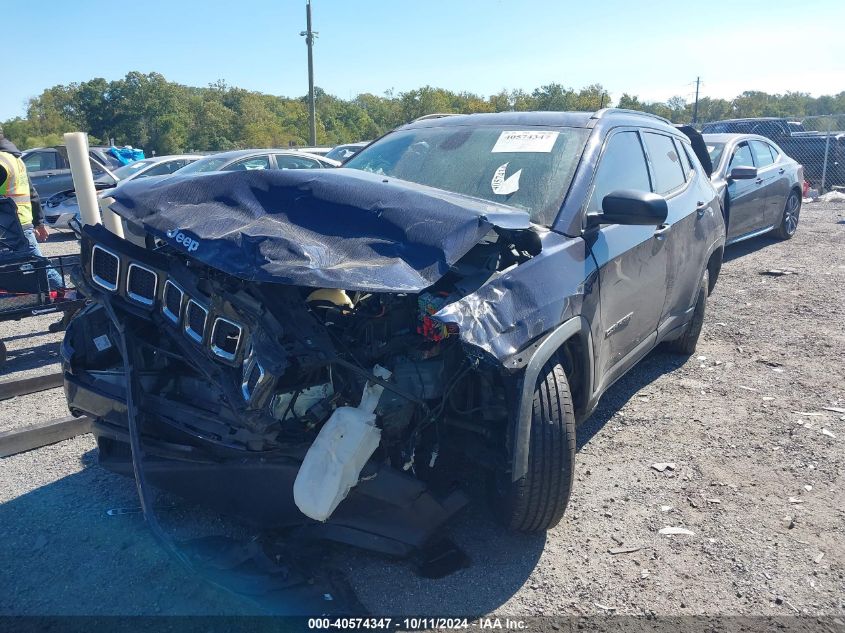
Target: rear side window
x,y
622,166
774,151
668,174
685,161
249,164
762,155
289,161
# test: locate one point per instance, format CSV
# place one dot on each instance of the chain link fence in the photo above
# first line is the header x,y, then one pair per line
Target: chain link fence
x,y
817,142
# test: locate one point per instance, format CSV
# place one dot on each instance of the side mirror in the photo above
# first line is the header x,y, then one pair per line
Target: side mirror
x,y
631,207
742,173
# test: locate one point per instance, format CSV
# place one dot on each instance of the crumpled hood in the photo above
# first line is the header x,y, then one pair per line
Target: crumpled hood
x,y
333,228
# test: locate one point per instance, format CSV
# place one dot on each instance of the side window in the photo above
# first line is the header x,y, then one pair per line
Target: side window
x,y
775,153
621,166
41,161
668,174
256,162
741,157
762,155
685,161
288,161
163,169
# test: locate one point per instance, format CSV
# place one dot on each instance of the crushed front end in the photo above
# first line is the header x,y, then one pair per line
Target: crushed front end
x,y
234,379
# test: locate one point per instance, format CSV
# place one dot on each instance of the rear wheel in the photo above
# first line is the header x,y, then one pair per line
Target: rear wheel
x,y
687,343
536,502
789,220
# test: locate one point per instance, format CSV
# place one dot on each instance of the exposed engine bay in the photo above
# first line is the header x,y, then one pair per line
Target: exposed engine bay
x,y
260,368
291,362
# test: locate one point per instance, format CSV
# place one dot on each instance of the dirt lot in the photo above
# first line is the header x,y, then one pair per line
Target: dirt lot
x,y
758,478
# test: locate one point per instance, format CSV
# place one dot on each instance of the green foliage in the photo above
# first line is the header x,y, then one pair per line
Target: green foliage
x,y
146,110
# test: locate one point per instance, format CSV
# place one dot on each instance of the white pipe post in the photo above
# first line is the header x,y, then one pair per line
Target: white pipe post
x,y
110,219
83,178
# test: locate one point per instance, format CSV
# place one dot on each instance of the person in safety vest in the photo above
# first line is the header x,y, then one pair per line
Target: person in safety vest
x,y
14,184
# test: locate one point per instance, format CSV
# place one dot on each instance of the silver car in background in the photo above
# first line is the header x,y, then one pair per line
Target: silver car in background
x,y
760,186
61,208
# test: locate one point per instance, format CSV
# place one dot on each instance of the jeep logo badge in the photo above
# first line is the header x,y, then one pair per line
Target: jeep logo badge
x,y
190,244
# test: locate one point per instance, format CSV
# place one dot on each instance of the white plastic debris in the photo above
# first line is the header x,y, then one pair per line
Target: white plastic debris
x,y
673,531
828,433
334,461
832,196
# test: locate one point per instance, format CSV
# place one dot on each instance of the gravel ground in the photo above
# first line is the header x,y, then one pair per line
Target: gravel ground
x,y
758,479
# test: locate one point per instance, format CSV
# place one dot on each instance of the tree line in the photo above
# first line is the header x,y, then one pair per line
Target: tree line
x,y
147,111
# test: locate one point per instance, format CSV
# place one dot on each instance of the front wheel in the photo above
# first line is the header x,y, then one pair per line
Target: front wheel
x,y
536,502
789,220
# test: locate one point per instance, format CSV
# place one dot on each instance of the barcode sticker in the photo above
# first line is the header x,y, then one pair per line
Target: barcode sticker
x,y
102,343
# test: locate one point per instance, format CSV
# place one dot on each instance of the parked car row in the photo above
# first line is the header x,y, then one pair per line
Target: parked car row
x,y
62,207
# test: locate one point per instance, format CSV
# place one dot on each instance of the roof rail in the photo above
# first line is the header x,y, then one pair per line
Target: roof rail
x,y
435,115
600,113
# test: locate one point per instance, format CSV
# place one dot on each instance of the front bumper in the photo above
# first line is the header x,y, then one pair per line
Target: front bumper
x,y
387,511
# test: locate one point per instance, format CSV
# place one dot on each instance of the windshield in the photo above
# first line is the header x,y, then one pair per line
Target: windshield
x,y
715,150
526,168
209,163
126,171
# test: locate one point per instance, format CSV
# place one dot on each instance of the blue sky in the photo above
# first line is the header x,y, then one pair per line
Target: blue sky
x,y
652,49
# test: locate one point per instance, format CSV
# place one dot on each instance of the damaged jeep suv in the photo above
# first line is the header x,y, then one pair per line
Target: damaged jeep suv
x,y
325,349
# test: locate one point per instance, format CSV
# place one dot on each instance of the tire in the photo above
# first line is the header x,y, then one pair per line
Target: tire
x,y
2,354
789,220
536,502
687,343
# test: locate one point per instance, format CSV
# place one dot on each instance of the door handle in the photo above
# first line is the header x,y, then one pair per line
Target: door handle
x,y
661,231
759,181
700,208
781,170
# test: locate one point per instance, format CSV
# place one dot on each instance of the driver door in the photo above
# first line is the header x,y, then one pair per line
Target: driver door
x,y
747,197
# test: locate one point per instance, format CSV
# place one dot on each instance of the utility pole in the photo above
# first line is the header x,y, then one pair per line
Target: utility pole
x,y
309,41
695,107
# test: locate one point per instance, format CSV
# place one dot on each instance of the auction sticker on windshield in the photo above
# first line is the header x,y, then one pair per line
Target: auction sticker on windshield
x,y
525,141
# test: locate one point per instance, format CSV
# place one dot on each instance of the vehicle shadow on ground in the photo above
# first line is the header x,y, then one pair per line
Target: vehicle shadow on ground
x,y
31,357
741,249
649,369
114,565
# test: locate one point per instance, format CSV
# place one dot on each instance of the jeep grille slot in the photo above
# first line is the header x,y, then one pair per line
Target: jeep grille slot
x,y
141,284
105,268
195,318
171,306
225,338
253,374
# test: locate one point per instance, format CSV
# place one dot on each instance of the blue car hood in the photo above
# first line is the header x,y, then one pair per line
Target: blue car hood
x,y
333,228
